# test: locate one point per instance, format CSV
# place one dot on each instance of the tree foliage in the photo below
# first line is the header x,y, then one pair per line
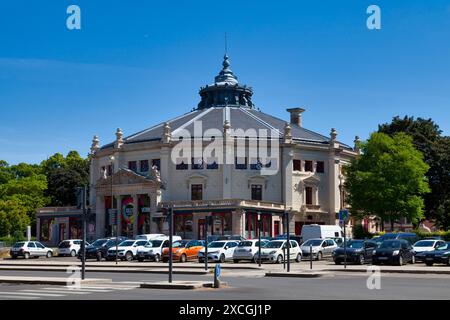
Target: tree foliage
x,y
427,137
388,179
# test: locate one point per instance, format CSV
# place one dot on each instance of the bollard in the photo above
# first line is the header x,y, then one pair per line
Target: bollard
x,y
217,273
310,257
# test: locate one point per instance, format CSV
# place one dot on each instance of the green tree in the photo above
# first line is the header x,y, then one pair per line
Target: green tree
x,y
13,218
427,137
388,179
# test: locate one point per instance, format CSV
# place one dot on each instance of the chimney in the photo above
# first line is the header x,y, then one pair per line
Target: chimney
x,y
296,116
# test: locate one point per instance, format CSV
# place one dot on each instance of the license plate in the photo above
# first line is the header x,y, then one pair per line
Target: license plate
x,y
429,259
382,258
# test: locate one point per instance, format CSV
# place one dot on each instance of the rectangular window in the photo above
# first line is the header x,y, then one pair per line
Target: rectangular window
x,y
197,164
320,167
132,165
109,170
309,195
241,163
297,165
308,166
182,166
196,192
256,192
156,163
144,166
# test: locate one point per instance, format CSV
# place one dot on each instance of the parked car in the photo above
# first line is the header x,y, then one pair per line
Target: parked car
x,y
152,250
398,251
99,249
218,251
226,237
127,250
408,236
423,246
357,251
248,250
320,248
148,237
440,255
275,251
315,231
70,248
184,250
30,249
299,239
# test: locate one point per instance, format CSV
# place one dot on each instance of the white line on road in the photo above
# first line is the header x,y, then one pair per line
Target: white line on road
x,y
13,297
56,291
30,294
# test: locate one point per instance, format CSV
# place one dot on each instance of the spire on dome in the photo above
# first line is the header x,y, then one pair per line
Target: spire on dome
x,y
226,76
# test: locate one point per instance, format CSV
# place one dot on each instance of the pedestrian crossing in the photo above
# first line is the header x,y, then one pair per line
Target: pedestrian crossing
x,y
58,292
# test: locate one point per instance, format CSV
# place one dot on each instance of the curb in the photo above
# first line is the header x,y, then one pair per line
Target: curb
x,y
394,271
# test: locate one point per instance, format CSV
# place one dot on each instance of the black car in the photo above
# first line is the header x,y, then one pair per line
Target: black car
x,y
396,251
358,251
408,236
291,236
440,255
99,248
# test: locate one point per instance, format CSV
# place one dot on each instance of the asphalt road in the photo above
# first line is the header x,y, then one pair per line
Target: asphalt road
x,y
341,286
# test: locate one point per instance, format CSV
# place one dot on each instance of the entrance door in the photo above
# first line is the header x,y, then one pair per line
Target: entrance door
x,y
201,229
62,232
276,228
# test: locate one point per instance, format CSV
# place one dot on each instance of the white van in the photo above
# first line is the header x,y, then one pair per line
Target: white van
x,y
315,231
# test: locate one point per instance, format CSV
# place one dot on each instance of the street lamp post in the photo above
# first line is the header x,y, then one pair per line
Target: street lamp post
x,y
116,220
170,244
259,238
344,218
288,241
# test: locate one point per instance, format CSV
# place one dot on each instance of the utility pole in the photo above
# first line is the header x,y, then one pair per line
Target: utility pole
x,y
288,243
170,220
81,204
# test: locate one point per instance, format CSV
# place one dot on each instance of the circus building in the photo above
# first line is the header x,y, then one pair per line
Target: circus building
x,y
136,179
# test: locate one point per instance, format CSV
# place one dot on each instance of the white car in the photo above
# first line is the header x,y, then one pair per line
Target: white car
x,y
427,245
219,251
320,248
126,250
149,237
153,249
248,250
70,248
276,250
30,249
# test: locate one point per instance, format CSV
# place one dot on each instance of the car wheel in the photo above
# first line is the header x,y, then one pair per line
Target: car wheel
x,y
165,260
400,260
199,261
157,258
319,256
49,255
429,263
361,260
183,258
338,262
279,259
448,261
13,257
413,260
129,256
99,256
236,261
26,255
299,258
222,258
73,253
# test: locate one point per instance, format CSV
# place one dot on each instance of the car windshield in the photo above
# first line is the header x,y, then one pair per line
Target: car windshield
x,y
355,244
424,243
154,244
245,244
314,243
216,245
274,244
64,244
127,243
390,244
99,243
19,244
179,244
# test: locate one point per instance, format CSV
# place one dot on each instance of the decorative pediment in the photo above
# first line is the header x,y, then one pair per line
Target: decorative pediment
x,y
257,179
311,180
197,177
127,177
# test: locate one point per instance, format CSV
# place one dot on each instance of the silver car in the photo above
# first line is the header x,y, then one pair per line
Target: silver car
x,y
320,248
30,249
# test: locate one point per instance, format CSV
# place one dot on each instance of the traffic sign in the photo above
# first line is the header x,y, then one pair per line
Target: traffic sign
x,y
344,215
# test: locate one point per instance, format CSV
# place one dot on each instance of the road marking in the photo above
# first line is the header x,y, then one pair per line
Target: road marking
x,y
13,297
56,291
85,289
31,294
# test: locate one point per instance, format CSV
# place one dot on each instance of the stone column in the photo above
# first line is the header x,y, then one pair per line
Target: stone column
x,y
153,210
100,215
135,215
237,217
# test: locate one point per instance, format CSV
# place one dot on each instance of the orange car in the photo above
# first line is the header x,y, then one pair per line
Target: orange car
x,y
184,250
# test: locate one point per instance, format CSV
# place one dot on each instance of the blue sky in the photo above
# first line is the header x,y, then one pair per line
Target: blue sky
x,y
135,64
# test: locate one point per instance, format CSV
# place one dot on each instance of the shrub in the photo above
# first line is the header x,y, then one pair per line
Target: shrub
x,y
360,233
